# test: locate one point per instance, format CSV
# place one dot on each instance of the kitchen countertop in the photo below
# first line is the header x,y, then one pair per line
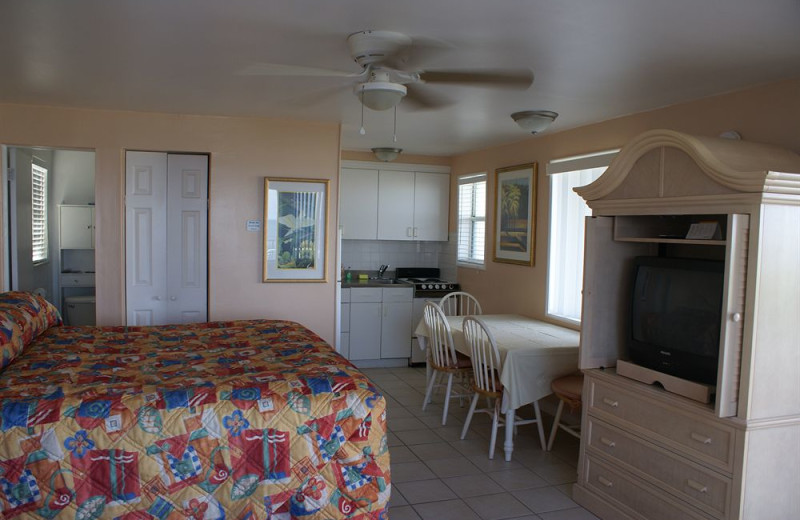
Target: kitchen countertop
x,y
385,282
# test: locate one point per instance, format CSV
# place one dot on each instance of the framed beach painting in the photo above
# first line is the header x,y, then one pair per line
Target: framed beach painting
x,y
515,214
295,223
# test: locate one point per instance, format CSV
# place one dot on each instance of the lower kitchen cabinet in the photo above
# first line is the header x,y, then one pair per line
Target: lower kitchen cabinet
x,y
380,321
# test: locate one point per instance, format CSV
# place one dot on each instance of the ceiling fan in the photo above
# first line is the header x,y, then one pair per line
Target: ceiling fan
x,y
388,74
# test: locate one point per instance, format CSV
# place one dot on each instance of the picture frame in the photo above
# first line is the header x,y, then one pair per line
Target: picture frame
x,y
515,214
295,230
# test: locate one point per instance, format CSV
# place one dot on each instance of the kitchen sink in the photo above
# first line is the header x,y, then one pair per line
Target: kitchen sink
x,y
387,281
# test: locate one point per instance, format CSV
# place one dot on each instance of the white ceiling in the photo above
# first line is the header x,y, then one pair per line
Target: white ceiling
x,y
593,59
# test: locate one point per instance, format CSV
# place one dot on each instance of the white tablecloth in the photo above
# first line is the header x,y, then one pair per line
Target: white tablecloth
x,y
532,353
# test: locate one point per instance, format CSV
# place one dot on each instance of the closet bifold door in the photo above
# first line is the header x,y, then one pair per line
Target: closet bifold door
x,y
166,238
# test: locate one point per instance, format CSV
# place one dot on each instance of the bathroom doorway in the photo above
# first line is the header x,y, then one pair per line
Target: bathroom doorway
x,y
49,227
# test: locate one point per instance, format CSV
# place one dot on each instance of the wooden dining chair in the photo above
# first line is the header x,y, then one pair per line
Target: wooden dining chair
x,y
460,303
486,370
443,358
568,389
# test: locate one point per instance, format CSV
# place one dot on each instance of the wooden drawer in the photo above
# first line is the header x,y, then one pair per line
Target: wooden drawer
x,y
701,487
695,435
77,279
634,497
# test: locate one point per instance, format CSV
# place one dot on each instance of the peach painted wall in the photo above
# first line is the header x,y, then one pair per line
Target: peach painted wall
x,y
243,151
767,114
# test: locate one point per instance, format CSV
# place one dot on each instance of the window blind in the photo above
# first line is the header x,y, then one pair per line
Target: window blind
x,y
471,219
39,228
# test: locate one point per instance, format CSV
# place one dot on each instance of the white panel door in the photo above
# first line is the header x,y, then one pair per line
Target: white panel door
x,y
146,237
166,226
395,205
187,232
358,203
431,206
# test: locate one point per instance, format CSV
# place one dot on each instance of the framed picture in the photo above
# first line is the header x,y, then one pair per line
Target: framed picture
x,y
515,214
295,221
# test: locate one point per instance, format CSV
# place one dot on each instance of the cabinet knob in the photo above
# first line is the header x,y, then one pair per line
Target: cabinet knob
x,y
157,298
610,402
700,438
173,298
608,442
736,317
605,481
697,486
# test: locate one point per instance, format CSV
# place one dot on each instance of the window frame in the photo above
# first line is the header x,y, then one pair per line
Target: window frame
x,y
471,261
40,225
556,167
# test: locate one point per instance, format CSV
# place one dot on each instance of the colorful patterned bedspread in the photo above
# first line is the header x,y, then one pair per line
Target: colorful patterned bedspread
x,y
235,420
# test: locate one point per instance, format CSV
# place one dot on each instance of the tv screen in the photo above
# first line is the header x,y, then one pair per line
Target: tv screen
x,y
676,316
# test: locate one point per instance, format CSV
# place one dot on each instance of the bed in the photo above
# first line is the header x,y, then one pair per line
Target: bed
x,y
256,419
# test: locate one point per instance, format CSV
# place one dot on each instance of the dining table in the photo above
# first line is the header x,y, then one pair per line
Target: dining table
x,y
532,354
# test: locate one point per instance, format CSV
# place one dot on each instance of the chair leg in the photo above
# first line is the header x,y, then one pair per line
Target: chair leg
x,y
429,390
469,415
539,425
495,421
447,397
553,431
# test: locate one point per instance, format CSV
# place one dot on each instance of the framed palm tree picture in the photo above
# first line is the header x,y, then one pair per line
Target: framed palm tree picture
x,y
295,221
515,214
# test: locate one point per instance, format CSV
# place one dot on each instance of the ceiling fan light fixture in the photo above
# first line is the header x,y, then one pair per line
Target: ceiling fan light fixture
x,y
386,154
534,121
380,95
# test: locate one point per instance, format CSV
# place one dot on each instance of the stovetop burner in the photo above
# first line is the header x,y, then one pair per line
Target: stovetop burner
x,y
426,281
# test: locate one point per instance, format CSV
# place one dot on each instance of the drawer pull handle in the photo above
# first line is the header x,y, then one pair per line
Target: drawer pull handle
x,y
605,481
610,402
701,438
697,486
608,442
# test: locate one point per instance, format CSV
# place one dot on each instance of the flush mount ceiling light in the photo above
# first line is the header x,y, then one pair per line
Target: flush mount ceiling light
x,y
380,95
386,154
534,121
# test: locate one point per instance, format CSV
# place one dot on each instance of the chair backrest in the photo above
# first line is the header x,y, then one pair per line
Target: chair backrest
x,y
484,354
460,303
440,338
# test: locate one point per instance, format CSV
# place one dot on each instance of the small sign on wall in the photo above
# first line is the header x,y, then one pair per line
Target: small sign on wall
x,y
253,225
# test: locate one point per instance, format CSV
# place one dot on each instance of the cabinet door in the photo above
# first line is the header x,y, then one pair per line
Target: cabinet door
x,y
396,205
365,330
395,326
76,228
607,268
431,206
358,203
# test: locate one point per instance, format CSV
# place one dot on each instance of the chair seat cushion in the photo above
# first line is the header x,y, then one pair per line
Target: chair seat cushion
x,y
569,387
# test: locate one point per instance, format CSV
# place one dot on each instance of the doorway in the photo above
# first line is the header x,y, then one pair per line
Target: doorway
x,y
42,185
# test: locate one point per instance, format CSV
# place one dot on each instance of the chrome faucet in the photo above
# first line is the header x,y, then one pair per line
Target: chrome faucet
x,y
382,269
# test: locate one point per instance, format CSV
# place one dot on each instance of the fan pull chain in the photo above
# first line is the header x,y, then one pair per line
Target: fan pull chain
x,y
362,131
395,124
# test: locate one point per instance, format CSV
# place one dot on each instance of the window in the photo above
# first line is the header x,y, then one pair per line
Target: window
x,y
471,219
39,228
567,215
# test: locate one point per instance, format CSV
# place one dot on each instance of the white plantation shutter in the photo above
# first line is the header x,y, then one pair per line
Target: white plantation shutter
x,y
39,220
471,219
567,216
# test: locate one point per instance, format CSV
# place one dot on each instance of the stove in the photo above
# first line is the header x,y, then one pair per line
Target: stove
x,y
426,281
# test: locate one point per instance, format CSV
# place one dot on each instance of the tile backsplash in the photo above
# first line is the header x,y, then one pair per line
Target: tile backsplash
x,y
367,255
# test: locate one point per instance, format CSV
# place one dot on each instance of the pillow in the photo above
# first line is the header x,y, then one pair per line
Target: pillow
x,y
23,316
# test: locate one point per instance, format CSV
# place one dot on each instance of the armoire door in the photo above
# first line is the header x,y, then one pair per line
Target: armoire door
x,y
166,225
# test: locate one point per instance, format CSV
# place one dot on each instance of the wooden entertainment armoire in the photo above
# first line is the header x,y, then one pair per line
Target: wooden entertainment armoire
x,y
648,453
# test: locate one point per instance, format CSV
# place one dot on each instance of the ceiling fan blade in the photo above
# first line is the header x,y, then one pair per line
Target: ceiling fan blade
x,y
278,69
420,98
508,78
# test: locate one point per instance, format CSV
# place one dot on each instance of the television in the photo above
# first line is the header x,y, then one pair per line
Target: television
x,y
676,317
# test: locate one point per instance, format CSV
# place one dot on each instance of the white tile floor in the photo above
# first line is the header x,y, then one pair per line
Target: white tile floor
x,y
437,476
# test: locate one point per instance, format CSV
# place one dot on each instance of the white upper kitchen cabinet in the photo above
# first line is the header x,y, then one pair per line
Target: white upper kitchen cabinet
x,y
358,202
394,201
395,205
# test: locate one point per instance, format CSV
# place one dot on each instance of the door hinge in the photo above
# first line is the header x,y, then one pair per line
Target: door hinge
x,y
11,174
